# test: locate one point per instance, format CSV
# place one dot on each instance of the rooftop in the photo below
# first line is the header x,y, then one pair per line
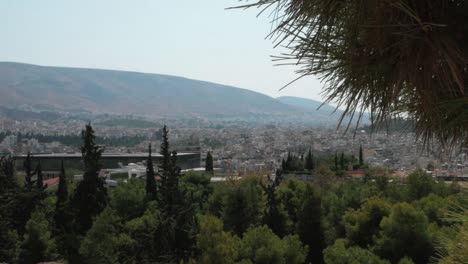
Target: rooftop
x,y
104,155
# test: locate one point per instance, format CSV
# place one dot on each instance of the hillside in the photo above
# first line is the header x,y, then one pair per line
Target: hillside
x,y
306,104
152,95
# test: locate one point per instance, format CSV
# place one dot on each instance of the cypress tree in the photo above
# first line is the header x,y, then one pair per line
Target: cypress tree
x,y
342,161
209,162
309,227
27,165
175,236
62,190
90,197
361,156
336,160
274,217
288,163
40,178
164,151
150,181
60,216
165,168
309,162
7,174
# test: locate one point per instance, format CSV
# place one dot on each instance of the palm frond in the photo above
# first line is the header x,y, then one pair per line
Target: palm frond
x,y
389,57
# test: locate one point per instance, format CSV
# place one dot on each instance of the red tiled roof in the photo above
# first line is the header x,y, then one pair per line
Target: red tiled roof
x,y
51,181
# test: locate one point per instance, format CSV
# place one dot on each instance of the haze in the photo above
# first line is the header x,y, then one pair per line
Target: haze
x,y
195,39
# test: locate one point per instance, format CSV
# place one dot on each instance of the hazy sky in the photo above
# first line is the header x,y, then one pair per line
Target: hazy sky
x,y
196,39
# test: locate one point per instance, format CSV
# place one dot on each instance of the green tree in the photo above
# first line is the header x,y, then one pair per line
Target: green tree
x,y
7,174
342,161
336,161
260,245
324,176
363,224
106,242
341,252
404,234
309,226
275,217
39,182
27,165
291,194
176,234
128,200
165,153
243,205
62,190
150,180
61,213
90,196
38,244
361,157
309,161
142,231
10,220
405,260
337,200
420,184
433,206
198,184
209,162
215,245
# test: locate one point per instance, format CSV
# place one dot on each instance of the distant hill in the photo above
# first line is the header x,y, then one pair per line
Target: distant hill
x,y
306,104
152,95
323,112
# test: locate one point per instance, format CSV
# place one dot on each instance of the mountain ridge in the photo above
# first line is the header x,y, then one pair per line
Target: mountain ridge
x,y
157,95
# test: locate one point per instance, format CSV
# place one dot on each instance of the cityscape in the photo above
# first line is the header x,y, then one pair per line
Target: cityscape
x,y
234,132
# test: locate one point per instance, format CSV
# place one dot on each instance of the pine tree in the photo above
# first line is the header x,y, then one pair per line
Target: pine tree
x,y
209,162
90,197
27,165
361,157
150,181
38,244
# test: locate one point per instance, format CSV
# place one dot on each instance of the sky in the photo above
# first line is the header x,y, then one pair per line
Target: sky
x,y
197,39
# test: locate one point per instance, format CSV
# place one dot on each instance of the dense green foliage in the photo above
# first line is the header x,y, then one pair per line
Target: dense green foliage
x,y
184,218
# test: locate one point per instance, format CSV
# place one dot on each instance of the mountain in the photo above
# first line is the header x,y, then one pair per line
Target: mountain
x,y
323,113
307,104
152,95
